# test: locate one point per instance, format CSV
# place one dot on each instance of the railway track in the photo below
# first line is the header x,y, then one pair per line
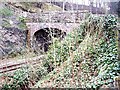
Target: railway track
x,y
13,65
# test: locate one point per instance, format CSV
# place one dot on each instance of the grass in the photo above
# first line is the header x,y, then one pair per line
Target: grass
x,y
50,7
88,41
83,65
85,58
34,9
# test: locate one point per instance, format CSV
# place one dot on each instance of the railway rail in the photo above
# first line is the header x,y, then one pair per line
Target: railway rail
x,y
13,65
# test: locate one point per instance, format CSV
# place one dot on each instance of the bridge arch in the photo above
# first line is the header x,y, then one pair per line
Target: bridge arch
x,y
42,38
34,30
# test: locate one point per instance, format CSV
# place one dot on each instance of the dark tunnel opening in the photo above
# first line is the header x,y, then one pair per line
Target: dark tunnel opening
x,y
43,38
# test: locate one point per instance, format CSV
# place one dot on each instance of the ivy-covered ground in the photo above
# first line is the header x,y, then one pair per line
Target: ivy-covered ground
x,y
86,58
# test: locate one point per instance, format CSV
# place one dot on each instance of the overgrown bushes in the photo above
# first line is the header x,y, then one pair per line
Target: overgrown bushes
x,y
93,61
5,12
86,58
23,78
60,51
19,80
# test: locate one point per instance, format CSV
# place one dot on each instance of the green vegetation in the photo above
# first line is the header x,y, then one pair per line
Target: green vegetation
x,y
23,77
86,58
90,62
5,23
22,24
18,80
5,11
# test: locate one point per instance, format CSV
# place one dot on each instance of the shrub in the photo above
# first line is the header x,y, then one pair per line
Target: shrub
x,y
22,24
97,66
60,51
5,11
110,22
19,80
105,56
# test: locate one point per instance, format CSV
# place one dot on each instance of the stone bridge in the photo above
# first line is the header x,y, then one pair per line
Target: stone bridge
x,y
62,22
64,27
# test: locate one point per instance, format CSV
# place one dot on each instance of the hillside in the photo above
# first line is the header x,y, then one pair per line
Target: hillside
x,y
36,7
54,54
83,59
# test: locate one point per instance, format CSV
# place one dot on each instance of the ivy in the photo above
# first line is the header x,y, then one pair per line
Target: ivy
x,y
18,80
5,11
22,24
